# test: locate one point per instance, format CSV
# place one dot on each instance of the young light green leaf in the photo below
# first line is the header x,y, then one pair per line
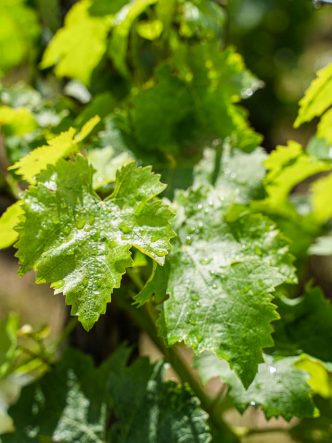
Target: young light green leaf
x,y
279,388
287,166
317,98
80,243
324,130
58,147
321,198
17,121
222,276
19,33
77,48
8,221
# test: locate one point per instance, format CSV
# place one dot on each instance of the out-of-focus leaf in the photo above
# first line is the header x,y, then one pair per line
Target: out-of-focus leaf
x,y
279,388
123,22
8,221
77,48
58,147
17,121
317,98
19,30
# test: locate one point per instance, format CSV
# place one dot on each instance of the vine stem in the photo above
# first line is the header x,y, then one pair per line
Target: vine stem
x,y
143,319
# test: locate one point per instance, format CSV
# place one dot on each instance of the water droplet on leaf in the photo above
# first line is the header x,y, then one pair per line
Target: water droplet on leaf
x,y
80,222
125,228
189,240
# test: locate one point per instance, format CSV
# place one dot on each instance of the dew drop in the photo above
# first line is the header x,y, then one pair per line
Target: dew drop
x,y
80,222
252,403
205,261
272,370
189,240
192,320
200,206
246,93
214,286
125,228
58,284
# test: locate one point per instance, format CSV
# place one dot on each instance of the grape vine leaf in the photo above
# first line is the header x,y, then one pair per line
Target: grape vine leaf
x,y
19,31
17,121
8,221
78,47
317,98
123,22
150,410
222,273
324,130
70,403
279,388
58,147
106,161
74,401
305,325
80,243
287,166
321,192
235,173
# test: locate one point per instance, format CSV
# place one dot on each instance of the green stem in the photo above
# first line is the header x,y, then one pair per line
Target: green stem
x,y
184,371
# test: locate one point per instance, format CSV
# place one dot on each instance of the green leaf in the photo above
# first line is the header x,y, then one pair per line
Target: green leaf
x,y
149,410
19,30
321,198
204,20
80,243
156,285
8,342
317,98
150,30
70,403
17,121
123,23
78,47
287,166
237,174
306,325
324,130
106,162
223,272
167,103
279,388
58,147
8,221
